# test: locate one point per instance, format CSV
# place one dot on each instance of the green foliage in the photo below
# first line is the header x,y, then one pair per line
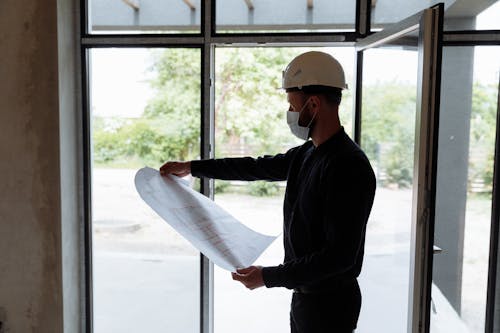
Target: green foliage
x,y
398,165
482,138
250,110
388,118
150,141
263,188
221,186
107,147
250,117
109,143
389,125
169,128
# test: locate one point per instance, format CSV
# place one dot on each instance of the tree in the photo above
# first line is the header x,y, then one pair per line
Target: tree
x,y
174,112
482,138
388,117
250,113
170,126
249,107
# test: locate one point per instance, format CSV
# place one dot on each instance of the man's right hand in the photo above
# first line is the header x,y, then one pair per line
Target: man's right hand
x,y
180,169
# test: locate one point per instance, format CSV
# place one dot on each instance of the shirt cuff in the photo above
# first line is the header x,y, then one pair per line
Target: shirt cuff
x,y
195,168
272,276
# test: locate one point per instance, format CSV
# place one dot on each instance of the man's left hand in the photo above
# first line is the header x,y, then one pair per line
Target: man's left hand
x,y
251,277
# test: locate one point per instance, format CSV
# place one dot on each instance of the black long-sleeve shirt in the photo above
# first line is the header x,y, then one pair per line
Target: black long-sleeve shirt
x,y
329,195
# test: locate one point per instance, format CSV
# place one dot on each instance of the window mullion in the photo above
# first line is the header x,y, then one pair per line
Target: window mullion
x,y
207,151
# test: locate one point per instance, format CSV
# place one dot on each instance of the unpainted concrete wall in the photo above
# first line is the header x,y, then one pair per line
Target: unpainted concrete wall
x,y
30,212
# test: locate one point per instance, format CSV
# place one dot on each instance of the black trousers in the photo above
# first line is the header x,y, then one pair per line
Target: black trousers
x,y
335,311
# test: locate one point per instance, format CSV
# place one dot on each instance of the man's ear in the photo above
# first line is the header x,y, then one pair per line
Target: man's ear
x,y
315,102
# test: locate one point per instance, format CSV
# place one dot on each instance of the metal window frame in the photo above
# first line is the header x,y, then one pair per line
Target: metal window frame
x,y
87,194
493,292
206,41
424,218
428,23
472,38
207,144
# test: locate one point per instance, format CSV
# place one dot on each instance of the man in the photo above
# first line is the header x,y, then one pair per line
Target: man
x,y
329,195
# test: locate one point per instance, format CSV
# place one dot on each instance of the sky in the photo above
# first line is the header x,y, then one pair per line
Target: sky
x,y
119,77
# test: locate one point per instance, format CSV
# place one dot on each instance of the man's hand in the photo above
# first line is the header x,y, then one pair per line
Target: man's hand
x,y
180,169
251,277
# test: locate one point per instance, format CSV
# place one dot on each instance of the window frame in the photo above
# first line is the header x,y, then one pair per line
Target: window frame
x,y
206,41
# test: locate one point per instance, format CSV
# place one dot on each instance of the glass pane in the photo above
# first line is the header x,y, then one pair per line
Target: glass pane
x,y
488,19
250,120
285,15
459,14
144,16
388,138
145,110
386,12
465,173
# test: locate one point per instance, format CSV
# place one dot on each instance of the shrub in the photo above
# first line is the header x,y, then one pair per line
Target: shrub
x,y
263,188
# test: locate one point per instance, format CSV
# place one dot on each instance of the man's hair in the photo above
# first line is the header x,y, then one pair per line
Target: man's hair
x,y
332,95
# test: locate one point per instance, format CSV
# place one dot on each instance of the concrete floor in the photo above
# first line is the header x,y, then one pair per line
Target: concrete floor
x,y
146,276
134,293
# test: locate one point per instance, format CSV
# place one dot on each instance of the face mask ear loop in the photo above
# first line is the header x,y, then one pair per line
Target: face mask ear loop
x,y
313,117
303,108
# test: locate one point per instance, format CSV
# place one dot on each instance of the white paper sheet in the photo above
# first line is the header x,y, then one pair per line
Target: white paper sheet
x,y
209,228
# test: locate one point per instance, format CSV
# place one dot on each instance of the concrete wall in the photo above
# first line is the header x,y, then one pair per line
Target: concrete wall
x,y
453,164
31,261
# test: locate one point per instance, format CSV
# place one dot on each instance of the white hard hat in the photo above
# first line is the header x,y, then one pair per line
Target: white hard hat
x,y
314,69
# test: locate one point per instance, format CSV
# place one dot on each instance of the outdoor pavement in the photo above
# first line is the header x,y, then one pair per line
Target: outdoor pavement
x,y
146,277
134,293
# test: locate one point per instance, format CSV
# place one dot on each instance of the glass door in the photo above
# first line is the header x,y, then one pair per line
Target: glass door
x,y
397,98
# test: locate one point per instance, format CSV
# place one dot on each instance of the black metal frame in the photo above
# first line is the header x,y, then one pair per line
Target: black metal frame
x,y
206,151
492,297
87,195
205,40
472,39
421,321
433,170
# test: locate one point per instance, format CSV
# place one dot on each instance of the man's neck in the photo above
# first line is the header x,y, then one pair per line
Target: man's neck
x,y
325,127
